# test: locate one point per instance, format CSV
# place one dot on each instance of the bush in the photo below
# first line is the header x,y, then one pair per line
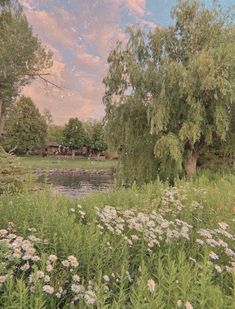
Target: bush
x,y
12,175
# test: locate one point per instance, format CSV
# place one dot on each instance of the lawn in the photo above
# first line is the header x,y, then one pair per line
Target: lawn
x,y
53,162
157,247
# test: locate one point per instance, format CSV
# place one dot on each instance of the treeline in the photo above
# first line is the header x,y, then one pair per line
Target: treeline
x,y
26,129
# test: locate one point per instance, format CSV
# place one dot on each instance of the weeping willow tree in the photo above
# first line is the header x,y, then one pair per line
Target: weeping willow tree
x,y
173,90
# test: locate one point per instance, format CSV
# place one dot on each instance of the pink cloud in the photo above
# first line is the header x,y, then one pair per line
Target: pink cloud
x,y
86,36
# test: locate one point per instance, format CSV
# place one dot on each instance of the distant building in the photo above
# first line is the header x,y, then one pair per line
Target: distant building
x,y
52,148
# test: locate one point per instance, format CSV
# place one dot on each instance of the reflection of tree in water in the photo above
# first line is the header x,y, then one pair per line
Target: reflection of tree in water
x,y
75,185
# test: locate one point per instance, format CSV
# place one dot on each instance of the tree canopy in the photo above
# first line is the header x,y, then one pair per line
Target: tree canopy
x,y
22,55
26,128
96,135
74,134
177,84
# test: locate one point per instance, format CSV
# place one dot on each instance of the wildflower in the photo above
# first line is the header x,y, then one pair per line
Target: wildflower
x,y
49,268
229,252
179,303
72,209
73,261
188,305
17,253
35,258
2,279
223,225
193,260
32,289
47,279
218,268
151,285
3,233
213,256
90,298
65,263
39,274
106,278
76,288
48,289
52,258
76,278
25,267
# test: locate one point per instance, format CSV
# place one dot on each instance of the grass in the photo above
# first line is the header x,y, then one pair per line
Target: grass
x,y
53,162
112,236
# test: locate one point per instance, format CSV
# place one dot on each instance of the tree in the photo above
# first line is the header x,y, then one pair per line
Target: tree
x,y
26,128
74,134
22,55
182,77
96,135
12,174
55,134
47,116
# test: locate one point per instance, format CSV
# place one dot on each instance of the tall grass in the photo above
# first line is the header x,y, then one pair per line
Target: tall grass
x,y
112,236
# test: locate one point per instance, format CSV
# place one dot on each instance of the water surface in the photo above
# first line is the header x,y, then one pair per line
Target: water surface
x,y
75,185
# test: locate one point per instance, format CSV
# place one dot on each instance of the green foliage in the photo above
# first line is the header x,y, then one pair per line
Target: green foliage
x,y
97,140
72,229
183,79
13,176
23,57
131,137
74,134
55,133
26,128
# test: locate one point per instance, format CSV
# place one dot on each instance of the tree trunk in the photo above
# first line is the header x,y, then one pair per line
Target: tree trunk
x,y
1,118
191,163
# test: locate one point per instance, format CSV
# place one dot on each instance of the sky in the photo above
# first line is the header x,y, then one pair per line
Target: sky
x,y
81,33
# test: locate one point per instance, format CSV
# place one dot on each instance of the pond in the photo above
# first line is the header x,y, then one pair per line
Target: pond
x,y
76,185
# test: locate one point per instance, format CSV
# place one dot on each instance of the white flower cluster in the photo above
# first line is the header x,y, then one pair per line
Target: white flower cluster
x,y
132,225
218,239
20,258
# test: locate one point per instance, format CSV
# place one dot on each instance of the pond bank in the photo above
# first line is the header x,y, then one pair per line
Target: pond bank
x,y
74,171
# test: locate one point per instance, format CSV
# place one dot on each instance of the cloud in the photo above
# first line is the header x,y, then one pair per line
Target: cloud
x,y
81,35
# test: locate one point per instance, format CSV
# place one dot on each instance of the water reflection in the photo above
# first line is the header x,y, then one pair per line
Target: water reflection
x,y
77,185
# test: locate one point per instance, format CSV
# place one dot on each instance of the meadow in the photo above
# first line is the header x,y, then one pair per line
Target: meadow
x,y
152,247
56,162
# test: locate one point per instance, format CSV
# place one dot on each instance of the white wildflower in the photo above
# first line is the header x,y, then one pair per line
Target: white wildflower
x,y
106,278
47,279
188,305
52,258
76,278
39,274
90,298
25,267
76,288
151,285
218,268
35,258
179,303
73,261
213,256
49,268
48,289
2,279
65,263
223,225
